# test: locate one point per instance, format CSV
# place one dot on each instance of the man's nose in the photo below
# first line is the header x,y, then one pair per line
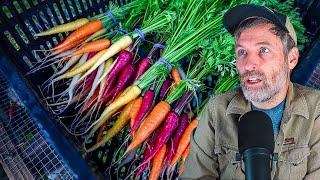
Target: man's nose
x,y
252,62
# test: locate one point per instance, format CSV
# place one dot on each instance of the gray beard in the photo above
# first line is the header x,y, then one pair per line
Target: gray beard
x,y
269,89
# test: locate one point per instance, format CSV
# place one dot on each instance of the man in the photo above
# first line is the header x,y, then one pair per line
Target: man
x,y
266,53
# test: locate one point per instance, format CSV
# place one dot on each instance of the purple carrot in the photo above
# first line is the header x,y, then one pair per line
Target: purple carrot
x,y
182,102
124,58
143,67
124,79
89,80
167,129
145,107
164,89
176,138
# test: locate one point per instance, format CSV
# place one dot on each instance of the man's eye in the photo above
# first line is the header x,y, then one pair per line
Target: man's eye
x,y
241,52
264,50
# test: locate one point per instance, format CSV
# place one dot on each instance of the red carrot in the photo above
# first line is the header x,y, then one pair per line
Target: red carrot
x,y
145,107
124,58
149,148
167,129
164,89
176,137
124,79
143,67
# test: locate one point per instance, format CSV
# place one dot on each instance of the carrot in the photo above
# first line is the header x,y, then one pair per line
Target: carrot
x,y
82,32
167,129
100,132
184,157
157,163
175,76
102,80
96,34
148,150
101,70
152,121
114,49
125,78
135,110
90,101
176,137
82,68
97,45
71,26
116,128
164,89
68,46
183,143
127,95
144,108
124,58
143,67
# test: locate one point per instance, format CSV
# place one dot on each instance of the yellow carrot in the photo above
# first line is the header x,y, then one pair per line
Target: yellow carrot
x,y
71,26
116,128
83,67
129,94
114,49
96,34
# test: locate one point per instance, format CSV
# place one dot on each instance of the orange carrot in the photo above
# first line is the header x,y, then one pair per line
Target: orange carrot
x,y
83,31
183,143
175,76
135,110
91,100
152,121
157,163
97,45
184,157
69,46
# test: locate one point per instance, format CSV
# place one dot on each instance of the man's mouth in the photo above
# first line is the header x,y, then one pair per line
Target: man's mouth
x,y
252,81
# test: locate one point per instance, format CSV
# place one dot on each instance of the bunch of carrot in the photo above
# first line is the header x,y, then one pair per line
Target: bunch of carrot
x,y
111,89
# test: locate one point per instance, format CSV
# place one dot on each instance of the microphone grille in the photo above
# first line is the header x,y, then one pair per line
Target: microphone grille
x,y
255,130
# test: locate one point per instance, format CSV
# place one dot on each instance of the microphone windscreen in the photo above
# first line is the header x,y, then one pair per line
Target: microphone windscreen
x,y
255,130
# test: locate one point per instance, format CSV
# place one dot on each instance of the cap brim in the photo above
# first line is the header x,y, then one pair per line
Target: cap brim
x,y
238,14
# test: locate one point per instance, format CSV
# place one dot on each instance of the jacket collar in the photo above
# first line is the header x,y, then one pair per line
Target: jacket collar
x,y
295,103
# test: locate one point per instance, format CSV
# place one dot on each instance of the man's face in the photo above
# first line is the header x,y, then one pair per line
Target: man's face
x,y
261,63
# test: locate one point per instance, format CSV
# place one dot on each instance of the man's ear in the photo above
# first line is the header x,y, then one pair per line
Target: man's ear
x,y
293,57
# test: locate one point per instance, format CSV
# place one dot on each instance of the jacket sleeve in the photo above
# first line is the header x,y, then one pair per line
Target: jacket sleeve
x,y
201,162
313,171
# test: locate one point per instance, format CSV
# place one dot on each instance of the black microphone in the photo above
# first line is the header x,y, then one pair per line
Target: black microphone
x,y
256,144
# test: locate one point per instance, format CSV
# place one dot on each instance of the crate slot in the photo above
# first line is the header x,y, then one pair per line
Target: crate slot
x,y
56,9
72,8
12,40
26,4
85,4
64,9
22,34
7,12
78,7
44,20
30,28
17,7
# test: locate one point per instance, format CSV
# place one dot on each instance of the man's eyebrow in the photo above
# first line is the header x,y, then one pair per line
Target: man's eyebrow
x,y
263,43
258,43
